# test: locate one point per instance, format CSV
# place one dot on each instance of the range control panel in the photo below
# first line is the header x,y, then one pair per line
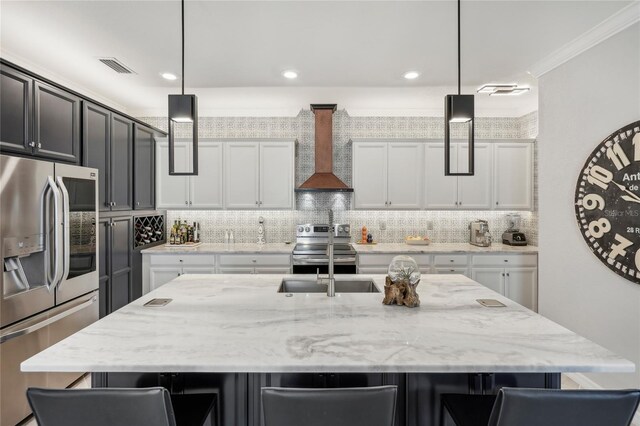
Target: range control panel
x,y
314,230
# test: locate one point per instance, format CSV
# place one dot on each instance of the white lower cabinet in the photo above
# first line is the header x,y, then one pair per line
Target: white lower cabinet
x,y
255,264
159,269
513,276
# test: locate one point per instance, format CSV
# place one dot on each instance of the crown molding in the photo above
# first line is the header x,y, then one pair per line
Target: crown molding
x,y
617,22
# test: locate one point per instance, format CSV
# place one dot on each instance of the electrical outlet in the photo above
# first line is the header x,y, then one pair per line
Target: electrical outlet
x,y
382,225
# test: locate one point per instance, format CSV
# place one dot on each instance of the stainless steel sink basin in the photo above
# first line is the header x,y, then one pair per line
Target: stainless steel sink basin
x,y
296,285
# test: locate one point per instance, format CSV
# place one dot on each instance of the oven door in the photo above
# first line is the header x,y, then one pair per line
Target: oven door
x,y
78,186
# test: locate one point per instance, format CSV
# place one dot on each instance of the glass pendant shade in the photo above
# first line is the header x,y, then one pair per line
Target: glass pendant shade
x,y
183,123
458,124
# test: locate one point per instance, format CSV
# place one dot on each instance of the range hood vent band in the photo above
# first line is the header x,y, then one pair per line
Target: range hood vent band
x,y
323,180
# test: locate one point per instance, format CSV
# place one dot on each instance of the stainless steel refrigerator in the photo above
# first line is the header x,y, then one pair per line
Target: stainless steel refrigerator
x,y
49,282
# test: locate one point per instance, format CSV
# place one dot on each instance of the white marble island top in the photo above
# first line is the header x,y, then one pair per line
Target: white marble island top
x,y
239,323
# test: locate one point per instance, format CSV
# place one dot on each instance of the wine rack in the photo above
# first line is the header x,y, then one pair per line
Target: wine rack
x,y
148,230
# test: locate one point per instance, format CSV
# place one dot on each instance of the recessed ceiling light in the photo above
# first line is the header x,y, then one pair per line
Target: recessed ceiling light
x,y
411,75
169,76
290,74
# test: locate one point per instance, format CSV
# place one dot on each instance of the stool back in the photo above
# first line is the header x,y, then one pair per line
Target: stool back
x,y
101,407
370,406
537,407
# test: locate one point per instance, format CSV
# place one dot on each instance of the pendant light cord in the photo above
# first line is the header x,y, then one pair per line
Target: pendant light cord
x,y
183,47
458,46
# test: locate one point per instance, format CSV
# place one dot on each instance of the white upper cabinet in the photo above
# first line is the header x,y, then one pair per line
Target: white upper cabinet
x,y
405,175
241,175
441,192
276,175
513,183
179,192
259,174
206,189
474,192
388,175
370,175
172,192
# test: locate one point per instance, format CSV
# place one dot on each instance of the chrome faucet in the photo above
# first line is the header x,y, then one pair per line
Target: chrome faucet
x,y
331,285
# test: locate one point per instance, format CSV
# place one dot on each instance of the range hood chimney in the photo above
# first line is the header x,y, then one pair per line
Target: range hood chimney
x,y
323,180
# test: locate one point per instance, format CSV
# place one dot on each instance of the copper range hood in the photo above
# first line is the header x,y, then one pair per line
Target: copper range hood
x,y
323,180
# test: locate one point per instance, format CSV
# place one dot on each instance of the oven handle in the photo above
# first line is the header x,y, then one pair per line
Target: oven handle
x,y
326,261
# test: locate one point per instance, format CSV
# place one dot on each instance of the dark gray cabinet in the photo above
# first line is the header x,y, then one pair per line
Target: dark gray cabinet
x,y
56,123
143,170
15,111
116,248
108,147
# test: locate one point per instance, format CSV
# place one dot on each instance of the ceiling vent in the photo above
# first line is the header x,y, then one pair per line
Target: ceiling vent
x,y
116,65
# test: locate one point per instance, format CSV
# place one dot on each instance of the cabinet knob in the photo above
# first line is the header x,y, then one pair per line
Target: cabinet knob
x,y
389,202
32,144
506,260
507,274
180,260
190,202
257,202
39,145
137,203
496,203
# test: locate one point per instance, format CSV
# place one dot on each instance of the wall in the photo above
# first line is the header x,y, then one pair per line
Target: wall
x,y
581,103
441,226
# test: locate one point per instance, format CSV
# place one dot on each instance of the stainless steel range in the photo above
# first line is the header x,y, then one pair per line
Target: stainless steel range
x,y
310,253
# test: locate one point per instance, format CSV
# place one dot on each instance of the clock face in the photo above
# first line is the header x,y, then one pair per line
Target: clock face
x,y
607,202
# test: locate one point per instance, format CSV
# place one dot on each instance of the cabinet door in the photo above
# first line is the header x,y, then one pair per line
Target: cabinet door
x,y
370,175
492,278
143,170
205,190
173,191
241,175
159,276
96,137
276,175
405,175
474,192
56,124
15,111
121,163
441,192
121,257
513,176
521,286
104,265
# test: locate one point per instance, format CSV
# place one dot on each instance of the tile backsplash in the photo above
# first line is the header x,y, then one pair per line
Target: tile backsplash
x,y
440,226
448,226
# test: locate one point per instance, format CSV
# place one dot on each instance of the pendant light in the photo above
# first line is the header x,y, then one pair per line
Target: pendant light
x,y
458,111
183,113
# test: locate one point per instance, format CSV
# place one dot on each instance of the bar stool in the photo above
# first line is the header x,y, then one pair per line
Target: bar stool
x,y
118,407
370,406
543,407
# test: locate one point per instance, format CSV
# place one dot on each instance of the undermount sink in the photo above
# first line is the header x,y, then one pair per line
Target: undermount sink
x,y
297,285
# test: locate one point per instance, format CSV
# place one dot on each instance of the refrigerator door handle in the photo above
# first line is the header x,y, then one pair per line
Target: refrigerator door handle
x,y
65,231
37,326
57,236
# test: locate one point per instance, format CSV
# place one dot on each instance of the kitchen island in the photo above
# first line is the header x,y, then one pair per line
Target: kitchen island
x,y
237,333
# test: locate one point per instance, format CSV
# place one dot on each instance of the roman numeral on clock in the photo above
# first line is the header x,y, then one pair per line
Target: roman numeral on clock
x,y
636,144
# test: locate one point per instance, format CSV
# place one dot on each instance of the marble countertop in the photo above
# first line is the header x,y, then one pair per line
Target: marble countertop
x,y
221,248
239,323
442,248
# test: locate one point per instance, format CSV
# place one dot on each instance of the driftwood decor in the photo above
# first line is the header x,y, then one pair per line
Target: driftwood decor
x,y
401,293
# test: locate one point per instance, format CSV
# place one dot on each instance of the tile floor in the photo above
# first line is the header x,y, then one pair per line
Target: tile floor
x,y
85,382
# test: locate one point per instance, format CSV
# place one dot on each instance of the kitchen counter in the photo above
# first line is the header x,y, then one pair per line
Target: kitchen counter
x,y
217,248
433,248
239,323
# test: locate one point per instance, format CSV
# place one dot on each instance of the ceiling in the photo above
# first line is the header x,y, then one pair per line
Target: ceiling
x,y
351,52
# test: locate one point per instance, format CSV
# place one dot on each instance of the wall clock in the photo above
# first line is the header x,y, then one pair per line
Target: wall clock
x,y
607,202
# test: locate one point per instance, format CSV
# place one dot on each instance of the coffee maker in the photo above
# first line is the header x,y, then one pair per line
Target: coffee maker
x,y
512,236
479,233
